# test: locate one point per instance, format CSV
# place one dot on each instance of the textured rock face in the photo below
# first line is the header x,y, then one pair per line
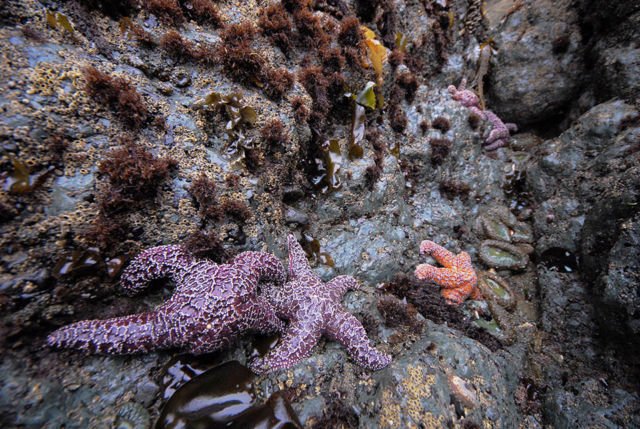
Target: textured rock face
x,y
586,184
617,60
538,66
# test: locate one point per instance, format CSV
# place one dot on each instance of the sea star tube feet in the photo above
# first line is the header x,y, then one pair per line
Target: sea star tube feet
x,y
313,309
210,307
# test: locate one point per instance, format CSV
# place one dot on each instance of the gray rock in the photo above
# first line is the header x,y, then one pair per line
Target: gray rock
x,y
617,57
66,192
537,69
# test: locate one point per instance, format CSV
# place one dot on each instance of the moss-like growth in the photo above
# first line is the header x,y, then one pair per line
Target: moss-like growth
x,y
311,32
439,150
408,82
236,210
277,26
119,94
432,306
337,414
300,109
397,314
134,174
453,188
204,12
274,136
207,245
350,34
177,47
169,11
204,192
277,82
441,123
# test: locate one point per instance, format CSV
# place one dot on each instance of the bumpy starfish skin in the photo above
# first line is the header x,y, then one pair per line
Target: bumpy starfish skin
x,y
313,309
211,305
458,278
500,132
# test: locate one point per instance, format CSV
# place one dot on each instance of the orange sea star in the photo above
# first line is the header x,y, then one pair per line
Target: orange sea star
x,y
458,278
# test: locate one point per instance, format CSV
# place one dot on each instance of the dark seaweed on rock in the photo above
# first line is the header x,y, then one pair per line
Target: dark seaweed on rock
x,y
119,94
432,306
336,414
133,172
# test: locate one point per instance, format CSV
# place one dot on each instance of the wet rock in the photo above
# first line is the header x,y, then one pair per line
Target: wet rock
x,y
617,67
68,191
618,305
587,404
536,71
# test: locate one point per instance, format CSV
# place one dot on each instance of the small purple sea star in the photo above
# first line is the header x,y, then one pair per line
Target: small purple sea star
x,y
211,306
313,309
500,132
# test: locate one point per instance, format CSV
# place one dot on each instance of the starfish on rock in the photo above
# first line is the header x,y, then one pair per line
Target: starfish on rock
x,y
458,278
211,305
313,309
500,132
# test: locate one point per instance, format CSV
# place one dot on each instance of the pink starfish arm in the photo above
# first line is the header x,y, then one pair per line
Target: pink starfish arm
x,y
340,285
344,328
495,145
298,262
511,127
269,267
136,333
479,112
157,262
443,277
262,317
296,345
439,253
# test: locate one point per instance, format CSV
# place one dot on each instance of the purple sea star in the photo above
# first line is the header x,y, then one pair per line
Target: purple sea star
x,y
211,305
313,309
500,132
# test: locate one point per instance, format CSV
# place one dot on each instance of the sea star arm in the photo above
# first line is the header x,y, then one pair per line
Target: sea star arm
x,y
136,333
344,328
477,111
262,317
268,267
296,344
439,253
511,127
495,145
341,284
298,262
154,263
443,277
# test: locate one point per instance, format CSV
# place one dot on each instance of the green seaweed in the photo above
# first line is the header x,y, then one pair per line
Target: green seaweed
x,y
238,116
21,181
56,19
328,167
401,42
312,248
367,97
78,262
358,121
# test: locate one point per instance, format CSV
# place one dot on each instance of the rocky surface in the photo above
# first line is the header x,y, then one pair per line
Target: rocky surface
x,y
552,219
